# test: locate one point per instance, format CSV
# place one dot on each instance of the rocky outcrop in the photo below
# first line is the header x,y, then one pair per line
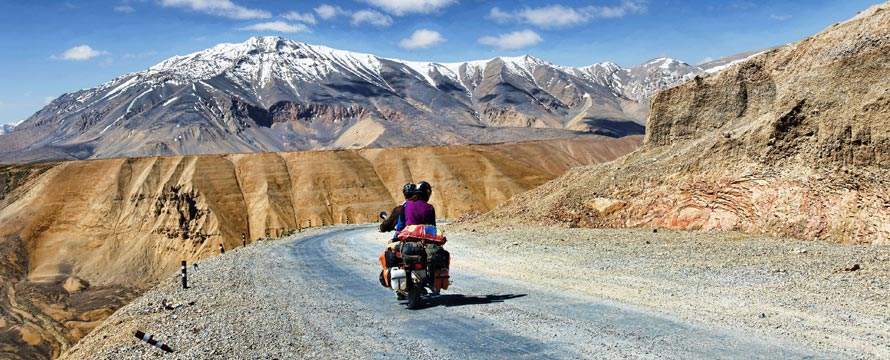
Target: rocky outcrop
x,y
78,239
287,111
14,176
792,142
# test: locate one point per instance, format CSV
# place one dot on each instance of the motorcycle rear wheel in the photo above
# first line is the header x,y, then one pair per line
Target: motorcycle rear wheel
x,y
413,292
413,298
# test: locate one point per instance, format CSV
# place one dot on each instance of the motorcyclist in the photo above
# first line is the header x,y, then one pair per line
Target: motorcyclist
x,y
396,219
417,209
396,222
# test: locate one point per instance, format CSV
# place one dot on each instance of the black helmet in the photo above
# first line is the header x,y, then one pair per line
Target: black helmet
x,y
425,190
409,190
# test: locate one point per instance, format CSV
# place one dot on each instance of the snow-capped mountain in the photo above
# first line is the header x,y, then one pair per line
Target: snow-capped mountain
x,y
640,82
6,128
273,94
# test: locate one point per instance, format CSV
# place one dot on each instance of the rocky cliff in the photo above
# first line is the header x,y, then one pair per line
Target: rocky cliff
x,y
794,141
80,238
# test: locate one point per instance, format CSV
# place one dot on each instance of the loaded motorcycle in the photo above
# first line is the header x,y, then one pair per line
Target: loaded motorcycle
x,y
416,266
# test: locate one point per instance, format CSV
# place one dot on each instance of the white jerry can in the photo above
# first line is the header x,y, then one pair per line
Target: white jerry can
x,y
397,279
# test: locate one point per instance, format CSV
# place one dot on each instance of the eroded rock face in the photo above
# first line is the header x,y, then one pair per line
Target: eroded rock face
x,y
288,111
13,176
79,239
184,211
793,142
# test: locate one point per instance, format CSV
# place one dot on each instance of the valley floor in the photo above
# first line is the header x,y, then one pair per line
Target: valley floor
x,y
523,293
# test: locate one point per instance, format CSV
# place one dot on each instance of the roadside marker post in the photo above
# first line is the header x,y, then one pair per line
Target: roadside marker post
x,y
185,275
151,341
222,250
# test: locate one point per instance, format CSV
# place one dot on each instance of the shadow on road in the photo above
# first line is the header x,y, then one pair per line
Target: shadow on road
x,y
461,300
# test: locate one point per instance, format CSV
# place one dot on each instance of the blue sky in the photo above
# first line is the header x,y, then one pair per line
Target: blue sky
x,y
51,47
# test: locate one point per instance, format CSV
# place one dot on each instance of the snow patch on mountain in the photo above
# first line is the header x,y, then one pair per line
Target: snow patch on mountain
x,y
6,128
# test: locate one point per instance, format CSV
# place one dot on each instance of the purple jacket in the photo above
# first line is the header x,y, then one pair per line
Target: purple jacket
x,y
419,212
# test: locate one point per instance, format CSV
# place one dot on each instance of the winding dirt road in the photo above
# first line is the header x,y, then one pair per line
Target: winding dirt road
x,y
488,318
316,295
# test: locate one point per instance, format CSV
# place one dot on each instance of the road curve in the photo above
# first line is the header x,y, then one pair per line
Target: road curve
x,y
348,312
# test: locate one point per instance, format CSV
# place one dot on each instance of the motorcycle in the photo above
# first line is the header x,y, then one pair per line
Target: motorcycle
x,y
415,268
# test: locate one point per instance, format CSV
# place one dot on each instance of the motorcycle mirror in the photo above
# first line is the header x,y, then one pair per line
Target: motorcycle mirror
x,y
383,215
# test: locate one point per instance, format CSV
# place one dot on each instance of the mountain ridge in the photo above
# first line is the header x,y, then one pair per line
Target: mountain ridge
x,y
273,94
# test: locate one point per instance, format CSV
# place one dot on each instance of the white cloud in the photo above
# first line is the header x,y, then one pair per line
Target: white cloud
x,y
402,7
780,17
126,9
422,38
224,8
277,26
499,15
512,41
326,11
79,53
553,16
627,7
306,18
48,99
371,17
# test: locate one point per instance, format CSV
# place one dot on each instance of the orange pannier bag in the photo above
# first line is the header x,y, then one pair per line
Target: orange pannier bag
x,y
389,257
426,233
441,279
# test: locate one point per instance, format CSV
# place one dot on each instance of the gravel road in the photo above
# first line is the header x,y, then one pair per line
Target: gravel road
x,y
316,295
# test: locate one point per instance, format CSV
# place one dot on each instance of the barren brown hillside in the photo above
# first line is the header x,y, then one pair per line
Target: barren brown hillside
x,y
794,142
81,238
